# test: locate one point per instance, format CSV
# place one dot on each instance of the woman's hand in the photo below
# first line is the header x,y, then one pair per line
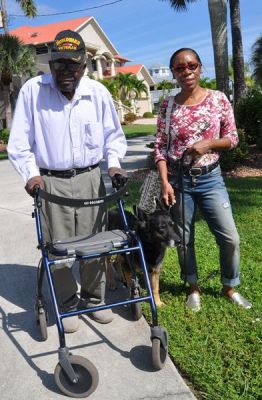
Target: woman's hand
x,y
199,148
168,194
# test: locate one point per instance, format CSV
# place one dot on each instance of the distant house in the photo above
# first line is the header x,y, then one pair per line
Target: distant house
x,y
141,72
103,59
161,73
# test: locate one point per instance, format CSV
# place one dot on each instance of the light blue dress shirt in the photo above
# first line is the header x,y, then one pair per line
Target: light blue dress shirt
x,y
49,131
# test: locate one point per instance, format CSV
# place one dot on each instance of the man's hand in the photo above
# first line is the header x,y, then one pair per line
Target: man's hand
x,y
32,183
118,177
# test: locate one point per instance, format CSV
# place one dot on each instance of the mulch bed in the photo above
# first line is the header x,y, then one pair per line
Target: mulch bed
x,y
252,166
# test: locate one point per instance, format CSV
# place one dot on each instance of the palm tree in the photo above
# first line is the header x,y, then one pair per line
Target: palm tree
x,y
218,21
125,85
257,60
112,86
208,83
165,86
28,7
16,58
138,87
249,81
237,48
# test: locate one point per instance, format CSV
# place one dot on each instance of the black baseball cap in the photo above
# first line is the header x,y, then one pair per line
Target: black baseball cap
x,y
69,45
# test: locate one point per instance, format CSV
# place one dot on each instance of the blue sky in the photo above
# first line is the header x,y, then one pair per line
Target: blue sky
x,y
149,31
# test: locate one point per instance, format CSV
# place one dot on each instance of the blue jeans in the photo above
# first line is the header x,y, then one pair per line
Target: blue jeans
x,y
208,192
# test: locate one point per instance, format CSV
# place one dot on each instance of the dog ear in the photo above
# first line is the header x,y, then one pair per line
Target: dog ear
x,y
141,214
135,211
159,204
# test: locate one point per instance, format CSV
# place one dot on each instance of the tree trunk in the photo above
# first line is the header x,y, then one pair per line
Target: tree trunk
x,y
7,106
218,21
4,17
237,49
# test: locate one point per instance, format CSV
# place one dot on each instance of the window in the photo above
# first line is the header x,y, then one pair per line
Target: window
x,y
41,49
94,65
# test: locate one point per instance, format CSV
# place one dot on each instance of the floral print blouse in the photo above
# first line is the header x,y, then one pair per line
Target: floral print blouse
x,y
212,118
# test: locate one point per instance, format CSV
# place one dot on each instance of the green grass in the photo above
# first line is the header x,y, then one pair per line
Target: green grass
x,y
3,156
219,349
133,131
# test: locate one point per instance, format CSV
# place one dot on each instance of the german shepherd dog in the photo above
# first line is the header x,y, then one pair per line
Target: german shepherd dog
x,y
156,232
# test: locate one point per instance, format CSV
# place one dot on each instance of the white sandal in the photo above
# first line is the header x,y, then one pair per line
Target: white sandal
x,y
240,300
193,302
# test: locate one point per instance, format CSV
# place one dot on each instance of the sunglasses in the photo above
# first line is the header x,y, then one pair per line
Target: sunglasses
x,y
181,68
60,66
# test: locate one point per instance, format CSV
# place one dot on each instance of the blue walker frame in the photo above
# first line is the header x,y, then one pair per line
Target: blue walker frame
x,y
131,244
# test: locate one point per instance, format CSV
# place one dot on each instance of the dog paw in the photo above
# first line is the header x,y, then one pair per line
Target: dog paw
x,y
160,303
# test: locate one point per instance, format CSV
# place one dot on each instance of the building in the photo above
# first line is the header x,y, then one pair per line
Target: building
x,y
144,103
103,59
161,73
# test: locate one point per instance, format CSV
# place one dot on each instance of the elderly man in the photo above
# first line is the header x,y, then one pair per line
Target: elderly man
x,y
64,124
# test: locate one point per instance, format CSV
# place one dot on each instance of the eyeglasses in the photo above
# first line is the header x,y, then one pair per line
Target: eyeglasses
x,y
181,68
61,66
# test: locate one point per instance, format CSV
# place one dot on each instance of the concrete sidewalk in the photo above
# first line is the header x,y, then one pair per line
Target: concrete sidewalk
x,y
121,351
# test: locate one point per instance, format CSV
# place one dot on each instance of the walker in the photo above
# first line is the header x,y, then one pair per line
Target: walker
x,y
75,375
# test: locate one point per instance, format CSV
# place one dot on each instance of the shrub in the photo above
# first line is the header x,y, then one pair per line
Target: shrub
x,y
229,159
127,103
249,115
259,138
148,114
130,117
4,135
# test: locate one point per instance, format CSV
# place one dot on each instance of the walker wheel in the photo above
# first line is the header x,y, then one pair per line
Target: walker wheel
x,y
86,373
42,322
136,307
159,354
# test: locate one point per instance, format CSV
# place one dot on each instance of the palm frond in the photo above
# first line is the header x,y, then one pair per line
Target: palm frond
x,y
256,60
180,5
28,7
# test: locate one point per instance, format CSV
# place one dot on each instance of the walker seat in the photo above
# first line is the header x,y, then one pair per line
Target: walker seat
x,y
101,242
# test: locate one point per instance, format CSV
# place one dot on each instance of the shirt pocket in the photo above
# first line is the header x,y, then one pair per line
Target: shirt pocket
x,y
92,135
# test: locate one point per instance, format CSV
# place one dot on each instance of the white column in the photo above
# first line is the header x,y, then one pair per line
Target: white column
x,y
99,68
120,111
113,71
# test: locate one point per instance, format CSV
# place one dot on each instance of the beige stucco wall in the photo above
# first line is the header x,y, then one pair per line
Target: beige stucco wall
x,y
91,35
143,105
42,62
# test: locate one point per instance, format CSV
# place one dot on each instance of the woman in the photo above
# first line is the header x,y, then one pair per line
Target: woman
x,y
201,126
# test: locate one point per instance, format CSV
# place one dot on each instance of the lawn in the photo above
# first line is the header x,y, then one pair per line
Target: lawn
x,y
133,131
3,156
218,350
